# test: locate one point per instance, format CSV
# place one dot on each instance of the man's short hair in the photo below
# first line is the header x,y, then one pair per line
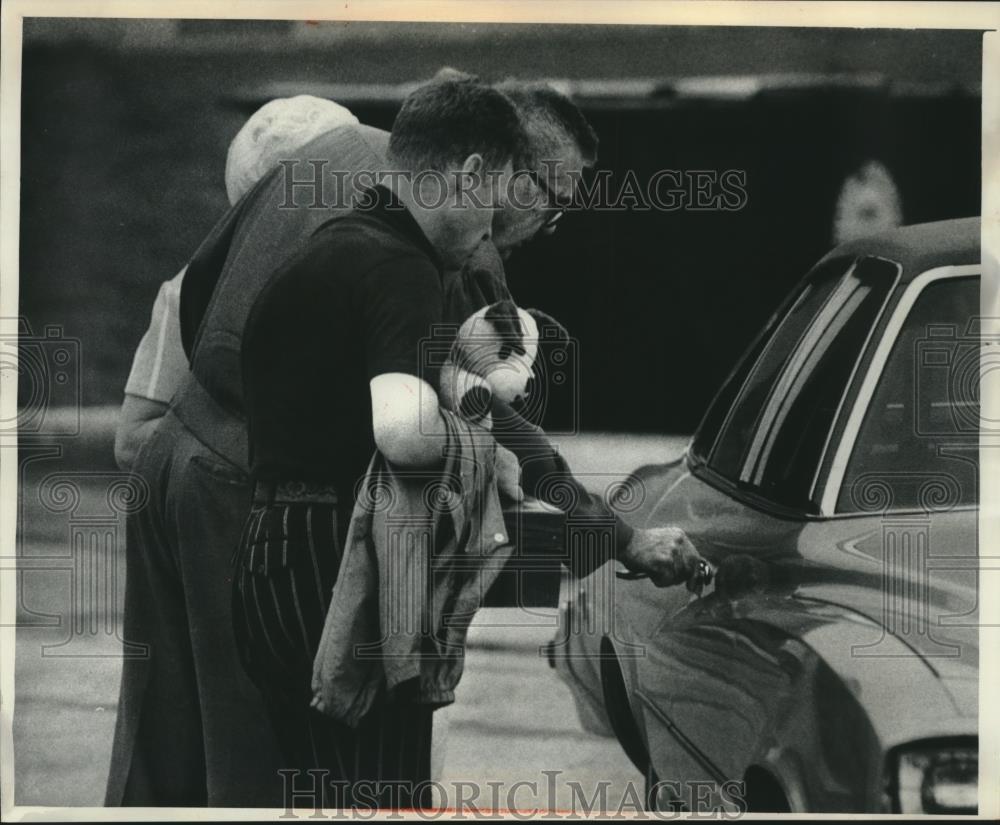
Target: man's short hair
x,y
551,120
446,120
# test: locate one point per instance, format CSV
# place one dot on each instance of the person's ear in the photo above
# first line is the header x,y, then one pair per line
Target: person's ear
x,y
472,174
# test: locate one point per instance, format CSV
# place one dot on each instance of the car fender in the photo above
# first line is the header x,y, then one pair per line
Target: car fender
x,y
894,676
823,705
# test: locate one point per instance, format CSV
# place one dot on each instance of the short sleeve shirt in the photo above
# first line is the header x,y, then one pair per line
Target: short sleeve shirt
x,y
159,364
356,302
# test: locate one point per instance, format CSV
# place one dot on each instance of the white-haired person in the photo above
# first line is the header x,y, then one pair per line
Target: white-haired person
x,y
191,728
275,131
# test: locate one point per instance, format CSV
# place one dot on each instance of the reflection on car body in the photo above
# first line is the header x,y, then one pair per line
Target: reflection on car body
x,y
834,484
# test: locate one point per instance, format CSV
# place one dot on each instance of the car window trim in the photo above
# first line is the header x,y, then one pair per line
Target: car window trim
x,y
744,494
791,302
748,379
755,462
817,473
766,331
862,402
763,435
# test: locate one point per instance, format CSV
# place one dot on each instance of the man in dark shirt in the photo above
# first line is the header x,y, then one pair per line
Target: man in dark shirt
x,y
353,306
331,371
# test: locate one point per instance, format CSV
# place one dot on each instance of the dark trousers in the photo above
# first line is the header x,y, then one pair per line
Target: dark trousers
x,y
191,728
285,569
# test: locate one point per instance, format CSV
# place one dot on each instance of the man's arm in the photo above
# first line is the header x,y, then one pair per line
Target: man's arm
x,y
546,476
158,367
410,432
398,303
406,420
665,554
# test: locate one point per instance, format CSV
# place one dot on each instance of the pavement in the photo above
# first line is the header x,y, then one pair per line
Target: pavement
x,y
513,718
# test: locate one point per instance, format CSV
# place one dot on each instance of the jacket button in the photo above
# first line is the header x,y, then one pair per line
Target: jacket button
x,y
499,537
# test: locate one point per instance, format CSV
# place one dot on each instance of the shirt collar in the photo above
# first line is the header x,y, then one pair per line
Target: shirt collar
x,y
382,203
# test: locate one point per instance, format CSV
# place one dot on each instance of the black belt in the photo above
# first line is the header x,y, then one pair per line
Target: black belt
x,y
293,492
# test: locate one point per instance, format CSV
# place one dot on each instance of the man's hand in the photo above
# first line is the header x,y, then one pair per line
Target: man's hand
x,y
508,473
666,555
137,420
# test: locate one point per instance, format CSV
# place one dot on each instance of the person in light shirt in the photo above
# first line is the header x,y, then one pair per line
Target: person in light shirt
x,y
191,729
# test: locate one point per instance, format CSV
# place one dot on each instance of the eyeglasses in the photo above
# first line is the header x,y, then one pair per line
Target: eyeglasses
x,y
561,204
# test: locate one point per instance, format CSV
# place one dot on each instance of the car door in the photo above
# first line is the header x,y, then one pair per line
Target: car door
x,y
713,676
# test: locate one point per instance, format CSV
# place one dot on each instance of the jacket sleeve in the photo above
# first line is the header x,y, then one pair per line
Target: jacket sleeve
x,y
546,476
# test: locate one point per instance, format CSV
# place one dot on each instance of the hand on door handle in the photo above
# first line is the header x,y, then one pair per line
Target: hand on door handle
x,y
703,575
664,555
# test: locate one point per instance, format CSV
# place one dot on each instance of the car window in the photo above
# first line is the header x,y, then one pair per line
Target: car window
x,y
783,459
917,447
708,431
736,409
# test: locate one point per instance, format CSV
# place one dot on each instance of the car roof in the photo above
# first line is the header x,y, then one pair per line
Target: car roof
x,y
920,247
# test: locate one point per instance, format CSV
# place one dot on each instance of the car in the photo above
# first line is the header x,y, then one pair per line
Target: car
x,y
832,664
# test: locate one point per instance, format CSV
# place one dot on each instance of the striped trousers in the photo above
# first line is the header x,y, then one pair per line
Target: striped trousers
x,y
285,568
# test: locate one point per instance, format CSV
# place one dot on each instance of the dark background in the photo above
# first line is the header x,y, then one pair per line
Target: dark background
x,y
125,126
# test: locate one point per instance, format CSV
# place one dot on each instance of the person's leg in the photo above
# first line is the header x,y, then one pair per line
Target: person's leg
x,y
287,564
209,502
157,754
394,748
285,569
439,742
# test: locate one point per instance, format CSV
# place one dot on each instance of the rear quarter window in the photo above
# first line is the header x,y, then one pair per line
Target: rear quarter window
x,y
917,447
